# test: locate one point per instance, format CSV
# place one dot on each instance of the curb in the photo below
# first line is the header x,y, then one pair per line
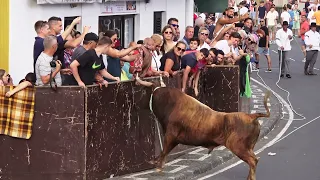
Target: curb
x,y
196,166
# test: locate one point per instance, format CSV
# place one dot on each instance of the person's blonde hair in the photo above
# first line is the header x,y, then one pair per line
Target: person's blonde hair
x,y
157,39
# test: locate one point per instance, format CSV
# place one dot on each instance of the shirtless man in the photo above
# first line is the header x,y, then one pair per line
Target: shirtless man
x,y
228,18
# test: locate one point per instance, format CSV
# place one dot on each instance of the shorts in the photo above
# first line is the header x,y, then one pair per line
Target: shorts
x,y
303,43
296,25
263,50
253,15
272,28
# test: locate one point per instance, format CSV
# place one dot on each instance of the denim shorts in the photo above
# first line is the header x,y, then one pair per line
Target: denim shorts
x,y
263,50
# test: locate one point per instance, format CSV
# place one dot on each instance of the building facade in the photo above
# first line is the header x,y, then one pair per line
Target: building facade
x,y
133,20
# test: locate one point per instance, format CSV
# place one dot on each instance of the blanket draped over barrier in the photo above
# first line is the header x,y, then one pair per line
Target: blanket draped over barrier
x,y
16,112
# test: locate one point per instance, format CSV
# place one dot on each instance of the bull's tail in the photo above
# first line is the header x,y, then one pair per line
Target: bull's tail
x,y
265,102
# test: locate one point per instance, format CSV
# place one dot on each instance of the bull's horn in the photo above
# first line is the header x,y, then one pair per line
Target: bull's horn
x,y
143,83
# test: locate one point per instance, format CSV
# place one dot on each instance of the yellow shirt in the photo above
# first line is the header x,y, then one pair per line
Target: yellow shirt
x,y
317,16
124,76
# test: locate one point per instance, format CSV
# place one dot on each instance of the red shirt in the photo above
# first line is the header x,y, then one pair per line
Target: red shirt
x,y
304,27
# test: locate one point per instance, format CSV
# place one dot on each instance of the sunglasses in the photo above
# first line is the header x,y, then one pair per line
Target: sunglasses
x,y
168,32
180,49
175,25
204,34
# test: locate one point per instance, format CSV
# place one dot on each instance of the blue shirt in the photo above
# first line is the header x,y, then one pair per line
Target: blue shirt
x,y
114,67
292,17
38,47
187,41
189,60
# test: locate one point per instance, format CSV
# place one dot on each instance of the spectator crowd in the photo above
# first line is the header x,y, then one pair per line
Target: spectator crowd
x,y
239,36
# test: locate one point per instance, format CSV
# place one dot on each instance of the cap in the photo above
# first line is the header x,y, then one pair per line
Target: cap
x,y
91,37
285,23
313,24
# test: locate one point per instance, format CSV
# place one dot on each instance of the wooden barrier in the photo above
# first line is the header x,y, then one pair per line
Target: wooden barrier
x,y
96,133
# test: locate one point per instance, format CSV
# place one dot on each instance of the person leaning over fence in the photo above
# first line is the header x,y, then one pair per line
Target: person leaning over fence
x,y
85,67
28,81
48,69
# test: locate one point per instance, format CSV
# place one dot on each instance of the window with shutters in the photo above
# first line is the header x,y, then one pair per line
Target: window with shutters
x,y
157,22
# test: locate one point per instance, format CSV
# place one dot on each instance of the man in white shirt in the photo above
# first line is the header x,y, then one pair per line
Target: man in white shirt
x,y
283,39
312,40
225,45
47,72
272,17
285,16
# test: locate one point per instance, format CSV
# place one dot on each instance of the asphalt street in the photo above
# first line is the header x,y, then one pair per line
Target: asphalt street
x,y
297,150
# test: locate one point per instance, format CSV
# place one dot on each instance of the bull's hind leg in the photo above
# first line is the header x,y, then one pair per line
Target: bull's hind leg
x,y
251,159
244,151
169,144
248,156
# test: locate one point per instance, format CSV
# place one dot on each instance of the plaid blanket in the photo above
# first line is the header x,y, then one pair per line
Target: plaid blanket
x,y
16,113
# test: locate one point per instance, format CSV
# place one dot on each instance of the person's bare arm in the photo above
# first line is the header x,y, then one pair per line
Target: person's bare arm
x,y
224,21
220,35
65,34
185,78
76,42
168,66
130,58
74,67
105,74
45,79
119,54
20,87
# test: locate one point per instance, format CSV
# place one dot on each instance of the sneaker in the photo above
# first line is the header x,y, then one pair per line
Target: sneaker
x,y
281,75
288,76
304,60
268,70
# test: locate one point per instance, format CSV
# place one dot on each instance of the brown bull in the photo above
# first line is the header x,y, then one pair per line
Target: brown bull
x,y
187,121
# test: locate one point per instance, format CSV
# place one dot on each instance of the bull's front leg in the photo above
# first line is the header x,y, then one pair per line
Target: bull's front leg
x,y
169,144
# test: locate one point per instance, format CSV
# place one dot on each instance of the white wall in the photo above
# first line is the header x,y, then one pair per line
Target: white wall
x,y
24,13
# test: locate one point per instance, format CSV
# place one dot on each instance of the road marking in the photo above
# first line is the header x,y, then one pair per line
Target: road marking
x,y
275,51
261,106
289,122
259,101
183,151
297,129
292,59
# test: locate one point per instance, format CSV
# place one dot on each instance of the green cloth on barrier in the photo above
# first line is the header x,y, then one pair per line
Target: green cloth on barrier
x,y
248,91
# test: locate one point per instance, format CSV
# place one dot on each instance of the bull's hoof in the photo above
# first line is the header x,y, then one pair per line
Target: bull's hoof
x,y
159,170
